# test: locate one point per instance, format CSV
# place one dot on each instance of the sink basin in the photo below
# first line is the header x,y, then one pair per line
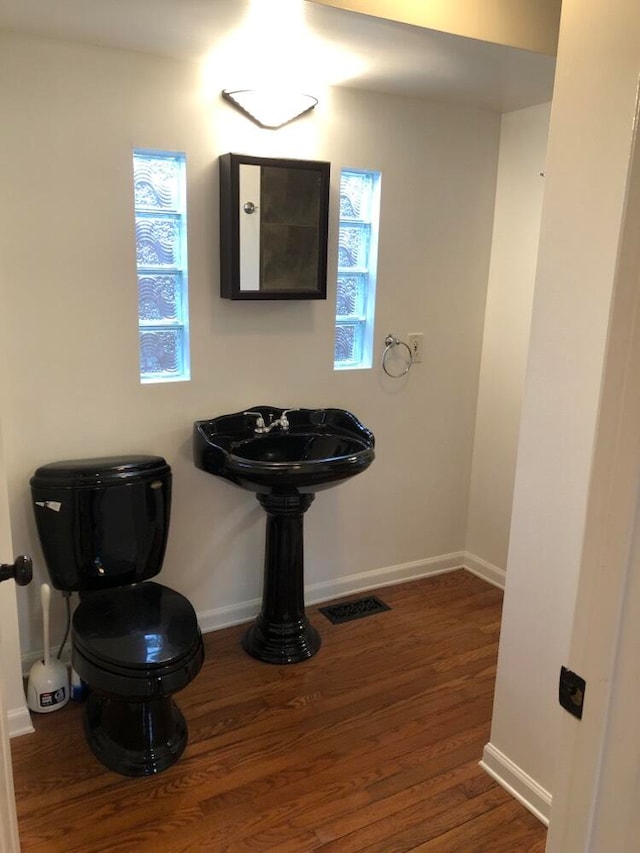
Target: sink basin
x,y
284,468
320,448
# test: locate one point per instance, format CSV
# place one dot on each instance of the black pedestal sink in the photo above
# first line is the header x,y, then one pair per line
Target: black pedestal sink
x,y
285,461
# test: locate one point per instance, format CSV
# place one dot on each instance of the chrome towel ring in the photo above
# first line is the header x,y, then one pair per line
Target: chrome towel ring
x,y
390,343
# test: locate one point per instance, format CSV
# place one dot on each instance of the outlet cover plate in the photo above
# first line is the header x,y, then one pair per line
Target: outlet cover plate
x,y
416,345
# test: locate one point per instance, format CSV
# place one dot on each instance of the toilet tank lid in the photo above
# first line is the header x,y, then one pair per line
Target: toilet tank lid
x,y
103,471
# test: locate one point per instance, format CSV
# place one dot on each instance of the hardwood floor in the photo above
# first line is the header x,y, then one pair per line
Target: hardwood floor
x,y
372,745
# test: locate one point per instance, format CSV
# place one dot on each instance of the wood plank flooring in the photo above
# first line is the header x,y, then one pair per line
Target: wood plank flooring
x,y
373,745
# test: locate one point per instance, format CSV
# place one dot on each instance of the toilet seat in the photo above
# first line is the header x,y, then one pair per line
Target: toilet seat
x,y
137,641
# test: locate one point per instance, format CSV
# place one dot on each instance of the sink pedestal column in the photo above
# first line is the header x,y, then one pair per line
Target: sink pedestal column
x,y
282,633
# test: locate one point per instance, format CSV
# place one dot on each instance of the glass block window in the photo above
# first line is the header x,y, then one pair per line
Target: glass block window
x,y
161,256
357,262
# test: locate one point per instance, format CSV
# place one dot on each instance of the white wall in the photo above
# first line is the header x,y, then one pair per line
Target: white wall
x,y
589,146
72,115
514,252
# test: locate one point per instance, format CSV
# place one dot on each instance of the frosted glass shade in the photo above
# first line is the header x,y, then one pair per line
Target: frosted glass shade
x,y
270,108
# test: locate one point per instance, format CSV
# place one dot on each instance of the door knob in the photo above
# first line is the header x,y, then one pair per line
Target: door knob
x,y
21,570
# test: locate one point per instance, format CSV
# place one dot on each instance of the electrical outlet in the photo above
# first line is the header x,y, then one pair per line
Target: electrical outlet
x,y
416,345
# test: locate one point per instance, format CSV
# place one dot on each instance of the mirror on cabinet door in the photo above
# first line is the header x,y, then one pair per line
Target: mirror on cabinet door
x,y
273,228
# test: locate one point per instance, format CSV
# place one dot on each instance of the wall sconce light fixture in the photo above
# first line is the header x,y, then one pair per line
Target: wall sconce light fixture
x,y
270,108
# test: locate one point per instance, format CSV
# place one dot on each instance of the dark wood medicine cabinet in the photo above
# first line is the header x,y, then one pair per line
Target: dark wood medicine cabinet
x,y
274,217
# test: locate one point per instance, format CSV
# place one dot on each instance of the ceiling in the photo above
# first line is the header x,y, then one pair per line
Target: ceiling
x,y
386,56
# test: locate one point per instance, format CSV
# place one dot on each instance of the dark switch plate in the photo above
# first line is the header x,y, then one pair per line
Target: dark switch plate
x,y
571,692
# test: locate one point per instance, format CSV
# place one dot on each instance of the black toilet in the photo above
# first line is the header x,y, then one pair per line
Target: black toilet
x,y
103,526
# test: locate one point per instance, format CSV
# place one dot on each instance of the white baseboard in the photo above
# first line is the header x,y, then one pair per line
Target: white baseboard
x,y
487,571
388,576
518,783
245,611
231,614
19,721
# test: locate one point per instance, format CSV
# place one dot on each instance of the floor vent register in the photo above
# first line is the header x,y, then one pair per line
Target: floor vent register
x,y
356,609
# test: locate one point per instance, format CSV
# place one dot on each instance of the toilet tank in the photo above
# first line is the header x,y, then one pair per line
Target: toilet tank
x,y
102,522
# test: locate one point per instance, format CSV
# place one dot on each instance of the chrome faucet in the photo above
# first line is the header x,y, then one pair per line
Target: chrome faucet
x,y
261,428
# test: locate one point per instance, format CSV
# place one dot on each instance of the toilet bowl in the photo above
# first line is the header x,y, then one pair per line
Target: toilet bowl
x,y
103,525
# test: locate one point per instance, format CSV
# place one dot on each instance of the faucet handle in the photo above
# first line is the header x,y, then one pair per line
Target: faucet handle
x,y
259,420
284,420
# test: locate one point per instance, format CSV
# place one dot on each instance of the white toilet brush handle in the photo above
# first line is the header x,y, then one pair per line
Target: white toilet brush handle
x,y
45,598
